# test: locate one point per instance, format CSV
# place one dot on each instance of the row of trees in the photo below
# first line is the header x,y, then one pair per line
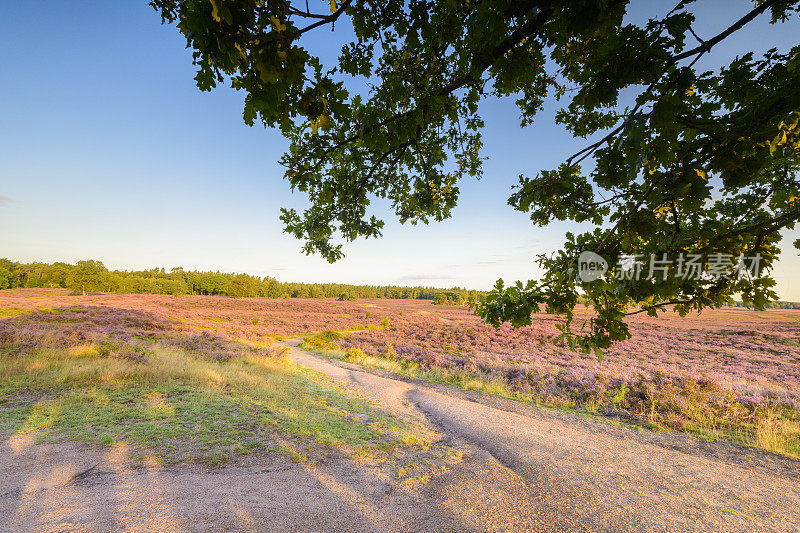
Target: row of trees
x,y
778,304
93,276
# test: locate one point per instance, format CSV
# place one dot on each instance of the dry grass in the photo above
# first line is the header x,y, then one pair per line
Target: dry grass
x,y
178,397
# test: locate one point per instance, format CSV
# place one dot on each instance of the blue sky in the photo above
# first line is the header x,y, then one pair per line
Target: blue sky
x,y
109,151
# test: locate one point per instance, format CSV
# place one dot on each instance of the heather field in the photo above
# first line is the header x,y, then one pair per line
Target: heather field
x,y
726,373
756,355
732,372
251,319
182,379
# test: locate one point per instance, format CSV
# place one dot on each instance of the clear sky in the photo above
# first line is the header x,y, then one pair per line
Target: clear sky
x,y
109,151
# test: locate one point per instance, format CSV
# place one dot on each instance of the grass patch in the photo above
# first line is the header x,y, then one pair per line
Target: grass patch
x,y
185,407
10,312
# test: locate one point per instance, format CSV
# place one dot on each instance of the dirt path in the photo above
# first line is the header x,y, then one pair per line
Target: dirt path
x,y
574,471
524,469
39,492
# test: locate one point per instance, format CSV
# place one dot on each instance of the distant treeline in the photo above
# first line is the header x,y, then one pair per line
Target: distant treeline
x,y
93,276
778,304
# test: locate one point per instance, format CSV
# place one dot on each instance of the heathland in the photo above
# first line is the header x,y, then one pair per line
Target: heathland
x,y
731,373
166,412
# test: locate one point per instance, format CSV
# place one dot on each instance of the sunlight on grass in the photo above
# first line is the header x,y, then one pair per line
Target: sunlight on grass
x,y
188,408
82,350
778,434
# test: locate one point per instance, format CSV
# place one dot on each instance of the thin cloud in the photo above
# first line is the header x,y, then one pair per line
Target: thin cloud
x,y
424,277
495,259
6,200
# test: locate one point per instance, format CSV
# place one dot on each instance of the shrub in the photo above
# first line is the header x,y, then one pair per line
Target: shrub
x,y
125,351
324,340
440,299
356,353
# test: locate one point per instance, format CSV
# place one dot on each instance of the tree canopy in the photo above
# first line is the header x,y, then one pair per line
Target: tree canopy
x,y
694,166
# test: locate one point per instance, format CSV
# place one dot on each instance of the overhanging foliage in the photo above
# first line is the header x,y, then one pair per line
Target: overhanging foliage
x,y
702,162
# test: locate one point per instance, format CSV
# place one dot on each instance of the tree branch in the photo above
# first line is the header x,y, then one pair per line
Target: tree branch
x,y
764,227
329,19
736,26
699,50
501,49
658,306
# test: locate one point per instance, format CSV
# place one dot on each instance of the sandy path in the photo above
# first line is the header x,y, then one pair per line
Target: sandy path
x,y
38,493
524,469
609,480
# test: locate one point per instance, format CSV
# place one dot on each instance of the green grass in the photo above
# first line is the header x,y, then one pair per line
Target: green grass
x,y
10,312
179,407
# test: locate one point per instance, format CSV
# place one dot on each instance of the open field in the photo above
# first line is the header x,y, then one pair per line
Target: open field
x,y
101,374
731,372
252,319
120,410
